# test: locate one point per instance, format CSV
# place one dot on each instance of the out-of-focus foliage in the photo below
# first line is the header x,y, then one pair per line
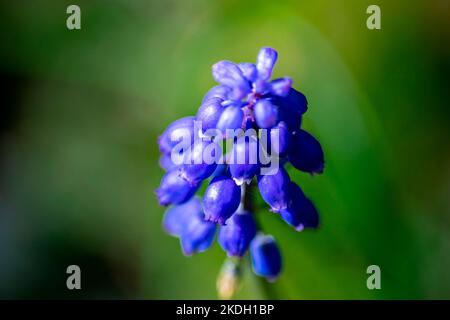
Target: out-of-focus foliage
x,y
81,111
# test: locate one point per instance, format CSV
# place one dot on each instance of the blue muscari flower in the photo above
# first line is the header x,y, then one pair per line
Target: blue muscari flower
x,y
266,114
231,118
186,221
291,107
221,199
235,236
244,166
244,98
229,74
265,62
281,87
219,91
197,235
265,256
176,217
209,112
300,212
175,131
275,143
283,136
194,168
305,152
274,189
248,70
250,81
174,189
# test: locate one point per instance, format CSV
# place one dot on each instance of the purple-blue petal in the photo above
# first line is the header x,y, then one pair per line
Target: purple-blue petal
x,y
174,189
236,235
291,108
279,143
274,189
280,87
231,118
265,256
266,114
177,131
229,74
209,113
197,235
219,91
267,57
221,199
200,160
305,152
301,212
248,71
176,217
243,162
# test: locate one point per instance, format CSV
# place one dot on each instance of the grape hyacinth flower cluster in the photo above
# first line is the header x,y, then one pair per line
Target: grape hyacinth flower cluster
x,y
245,100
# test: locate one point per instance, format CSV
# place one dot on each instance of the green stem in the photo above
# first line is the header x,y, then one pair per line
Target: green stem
x,y
267,289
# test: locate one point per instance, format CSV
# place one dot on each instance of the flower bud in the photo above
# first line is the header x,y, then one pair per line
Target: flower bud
x,y
229,278
231,118
197,235
279,140
229,74
209,113
221,199
265,256
174,189
200,161
181,129
266,114
305,152
220,91
243,162
235,236
300,212
280,87
176,217
274,189
267,57
291,108
248,71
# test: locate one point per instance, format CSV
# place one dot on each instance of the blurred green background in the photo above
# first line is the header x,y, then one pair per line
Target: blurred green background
x,y
81,111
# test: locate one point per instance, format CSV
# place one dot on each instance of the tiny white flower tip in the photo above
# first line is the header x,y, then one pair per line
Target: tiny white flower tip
x,y
300,227
239,181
